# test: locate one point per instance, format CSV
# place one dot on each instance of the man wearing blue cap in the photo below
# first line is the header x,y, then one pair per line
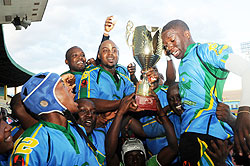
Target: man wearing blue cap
x,y
51,141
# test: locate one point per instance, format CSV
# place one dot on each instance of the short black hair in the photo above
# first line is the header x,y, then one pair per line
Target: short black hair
x,y
67,52
174,24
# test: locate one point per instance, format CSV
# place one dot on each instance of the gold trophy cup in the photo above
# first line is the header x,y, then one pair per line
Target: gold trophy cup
x,y
147,51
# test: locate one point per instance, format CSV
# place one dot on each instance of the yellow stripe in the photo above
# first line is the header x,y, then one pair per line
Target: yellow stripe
x,y
28,157
211,162
94,154
222,60
148,123
14,148
165,88
13,128
209,108
100,153
202,143
88,86
125,76
88,73
223,48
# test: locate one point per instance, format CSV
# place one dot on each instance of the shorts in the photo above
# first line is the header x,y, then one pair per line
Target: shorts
x,y
193,147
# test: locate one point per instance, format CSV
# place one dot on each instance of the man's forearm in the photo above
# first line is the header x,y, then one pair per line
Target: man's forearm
x,y
103,106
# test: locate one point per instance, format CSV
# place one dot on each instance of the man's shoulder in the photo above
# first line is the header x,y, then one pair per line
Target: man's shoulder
x,y
33,130
92,68
66,72
215,47
90,72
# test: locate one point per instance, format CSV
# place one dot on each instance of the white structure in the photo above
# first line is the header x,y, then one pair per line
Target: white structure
x,y
245,48
21,13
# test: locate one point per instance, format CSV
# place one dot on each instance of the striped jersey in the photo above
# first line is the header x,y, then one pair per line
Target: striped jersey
x,y
202,76
99,83
47,143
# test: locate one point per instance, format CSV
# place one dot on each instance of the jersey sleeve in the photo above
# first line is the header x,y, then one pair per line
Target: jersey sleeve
x,y
215,54
151,127
30,151
89,87
129,86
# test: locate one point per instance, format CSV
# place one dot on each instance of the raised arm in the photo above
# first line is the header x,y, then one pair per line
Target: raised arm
x,y
168,153
108,26
241,67
103,106
170,71
111,141
132,69
19,112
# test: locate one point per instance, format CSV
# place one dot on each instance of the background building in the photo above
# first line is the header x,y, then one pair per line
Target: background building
x,y
232,98
245,48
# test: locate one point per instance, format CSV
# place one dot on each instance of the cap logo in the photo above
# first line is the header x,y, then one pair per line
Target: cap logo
x,y
44,103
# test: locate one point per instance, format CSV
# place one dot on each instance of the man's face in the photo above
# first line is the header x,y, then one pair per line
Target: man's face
x,y
87,115
76,59
108,54
6,142
135,157
175,42
174,99
65,96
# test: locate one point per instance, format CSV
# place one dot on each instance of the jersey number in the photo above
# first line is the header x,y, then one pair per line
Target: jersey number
x,y
26,145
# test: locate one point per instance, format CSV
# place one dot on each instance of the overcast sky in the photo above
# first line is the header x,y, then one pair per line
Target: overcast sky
x,y
42,46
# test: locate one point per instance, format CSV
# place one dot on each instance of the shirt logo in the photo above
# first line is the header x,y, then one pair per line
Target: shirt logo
x,y
84,83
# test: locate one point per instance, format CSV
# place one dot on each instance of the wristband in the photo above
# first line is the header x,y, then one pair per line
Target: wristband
x,y
106,32
168,58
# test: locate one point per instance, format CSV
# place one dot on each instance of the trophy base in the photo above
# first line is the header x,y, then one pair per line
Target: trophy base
x,y
146,102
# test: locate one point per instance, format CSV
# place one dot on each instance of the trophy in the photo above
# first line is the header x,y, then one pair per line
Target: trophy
x,y
147,51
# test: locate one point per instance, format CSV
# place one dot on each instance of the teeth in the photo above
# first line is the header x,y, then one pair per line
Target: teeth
x,y
80,62
88,121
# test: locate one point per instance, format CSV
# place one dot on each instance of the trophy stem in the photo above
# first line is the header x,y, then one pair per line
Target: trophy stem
x,y
143,86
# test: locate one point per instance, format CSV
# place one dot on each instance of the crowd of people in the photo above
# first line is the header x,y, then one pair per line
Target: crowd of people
x,y
89,116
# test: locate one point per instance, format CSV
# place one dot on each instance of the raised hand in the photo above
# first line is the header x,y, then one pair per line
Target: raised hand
x,y
219,152
109,24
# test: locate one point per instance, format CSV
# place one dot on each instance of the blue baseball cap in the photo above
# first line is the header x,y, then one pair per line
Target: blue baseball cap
x,y
38,94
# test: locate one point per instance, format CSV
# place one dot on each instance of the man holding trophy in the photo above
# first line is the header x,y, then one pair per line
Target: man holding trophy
x,y
147,50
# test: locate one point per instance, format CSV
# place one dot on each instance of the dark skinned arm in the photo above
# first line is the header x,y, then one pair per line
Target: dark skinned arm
x,y
111,141
168,153
170,73
103,106
242,132
19,112
132,69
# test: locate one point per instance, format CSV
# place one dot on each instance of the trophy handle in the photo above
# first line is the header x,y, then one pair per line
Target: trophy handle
x,y
129,31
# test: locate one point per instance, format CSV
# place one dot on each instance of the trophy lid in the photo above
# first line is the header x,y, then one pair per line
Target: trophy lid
x,y
147,46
